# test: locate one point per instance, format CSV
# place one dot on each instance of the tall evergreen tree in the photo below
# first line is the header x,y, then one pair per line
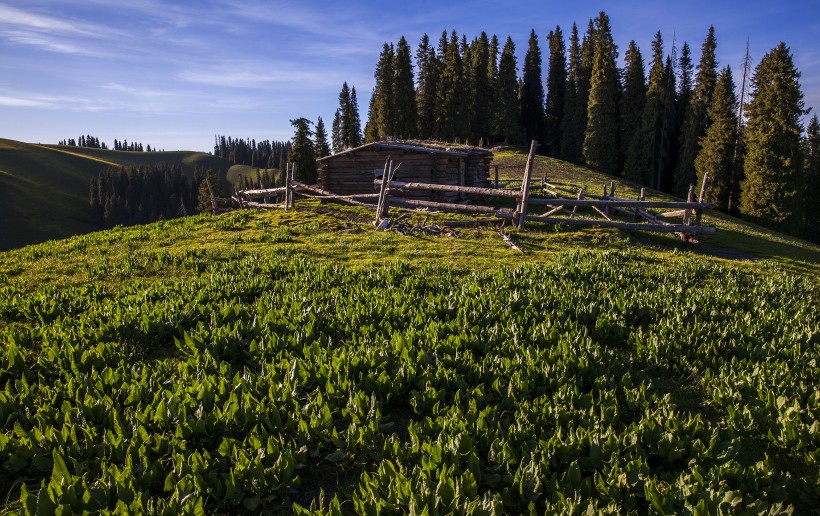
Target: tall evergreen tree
x,y
336,132
353,125
532,93
404,92
570,148
811,183
671,128
303,153
426,90
451,116
696,120
382,113
648,153
507,126
321,145
601,135
633,98
717,149
685,68
480,97
492,81
556,92
773,152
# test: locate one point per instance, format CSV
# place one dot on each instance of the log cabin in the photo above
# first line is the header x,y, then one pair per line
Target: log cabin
x,y
353,171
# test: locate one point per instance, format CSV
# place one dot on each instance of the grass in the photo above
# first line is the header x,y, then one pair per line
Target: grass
x,y
44,188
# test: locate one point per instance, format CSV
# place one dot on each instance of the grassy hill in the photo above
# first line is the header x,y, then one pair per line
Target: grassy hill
x,y
273,362
44,188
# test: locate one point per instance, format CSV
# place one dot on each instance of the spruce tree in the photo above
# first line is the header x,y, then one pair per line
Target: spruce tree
x,y
353,122
321,145
492,80
648,153
426,91
696,120
507,126
532,93
335,132
209,185
717,151
480,97
601,135
671,128
303,153
341,121
811,183
382,113
773,151
633,99
452,102
404,92
571,122
556,92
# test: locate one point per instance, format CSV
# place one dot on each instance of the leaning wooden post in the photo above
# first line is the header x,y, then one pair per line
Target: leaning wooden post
x,y
525,186
211,193
701,198
388,167
290,184
496,177
689,198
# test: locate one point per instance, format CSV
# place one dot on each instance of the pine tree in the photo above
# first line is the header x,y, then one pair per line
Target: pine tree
x,y
480,98
426,91
773,152
303,153
601,135
696,120
336,132
671,128
633,99
404,92
717,151
321,145
532,93
382,113
208,186
648,153
452,102
811,183
492,81
507,126
570,150
684,96
353,122
556,92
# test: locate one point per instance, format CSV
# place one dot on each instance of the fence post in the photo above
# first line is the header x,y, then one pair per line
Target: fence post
x,y
525,186
701,198
689,198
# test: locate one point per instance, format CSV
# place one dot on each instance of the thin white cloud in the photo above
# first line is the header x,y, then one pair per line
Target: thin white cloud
x,y
11,16
22,102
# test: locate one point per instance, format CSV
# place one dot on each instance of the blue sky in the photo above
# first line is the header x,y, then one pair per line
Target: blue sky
x,y
173,74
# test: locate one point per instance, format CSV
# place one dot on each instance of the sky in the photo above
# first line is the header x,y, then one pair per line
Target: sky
x,y
174,74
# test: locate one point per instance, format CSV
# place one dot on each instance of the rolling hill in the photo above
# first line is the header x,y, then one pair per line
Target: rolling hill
x,y
44,188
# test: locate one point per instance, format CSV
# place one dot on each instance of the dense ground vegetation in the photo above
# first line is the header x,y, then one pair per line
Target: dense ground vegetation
x,y
283,361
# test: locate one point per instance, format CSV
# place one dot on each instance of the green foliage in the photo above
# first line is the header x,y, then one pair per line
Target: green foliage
x,y
633,98
774,160
532,93
481,87
811,182
346,129
303,153
571,125
507,114
717,154
451,115
320,144
556,92
210,189
404,91
604,380
696,119
601,136
428,74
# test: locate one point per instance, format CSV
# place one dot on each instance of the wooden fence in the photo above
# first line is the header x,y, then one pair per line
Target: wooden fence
x,y
559,205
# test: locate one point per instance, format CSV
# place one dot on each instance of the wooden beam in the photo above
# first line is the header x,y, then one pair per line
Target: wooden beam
x,y
662,228
525,186
621,203
468,208
493,192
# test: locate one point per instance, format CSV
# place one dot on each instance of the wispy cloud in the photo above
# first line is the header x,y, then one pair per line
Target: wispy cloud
x,y
22,102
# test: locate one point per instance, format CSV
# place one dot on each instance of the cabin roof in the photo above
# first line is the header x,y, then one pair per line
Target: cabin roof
x,y
420,146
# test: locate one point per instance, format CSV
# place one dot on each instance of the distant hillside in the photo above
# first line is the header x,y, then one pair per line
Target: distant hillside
x,y
44,188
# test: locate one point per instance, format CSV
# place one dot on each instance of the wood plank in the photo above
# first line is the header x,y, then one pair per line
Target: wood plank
x,y
468,208
662,228
493,192
525,185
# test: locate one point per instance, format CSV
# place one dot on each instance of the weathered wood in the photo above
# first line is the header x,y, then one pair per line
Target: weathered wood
x,y
262,193
263,205
621,203
493,192
525,186
575,207
671,214
662,228
689,198
468,208
701,197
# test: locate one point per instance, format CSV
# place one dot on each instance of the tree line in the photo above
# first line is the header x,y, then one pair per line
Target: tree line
x,y
664,129
262,154
138,195
92,142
